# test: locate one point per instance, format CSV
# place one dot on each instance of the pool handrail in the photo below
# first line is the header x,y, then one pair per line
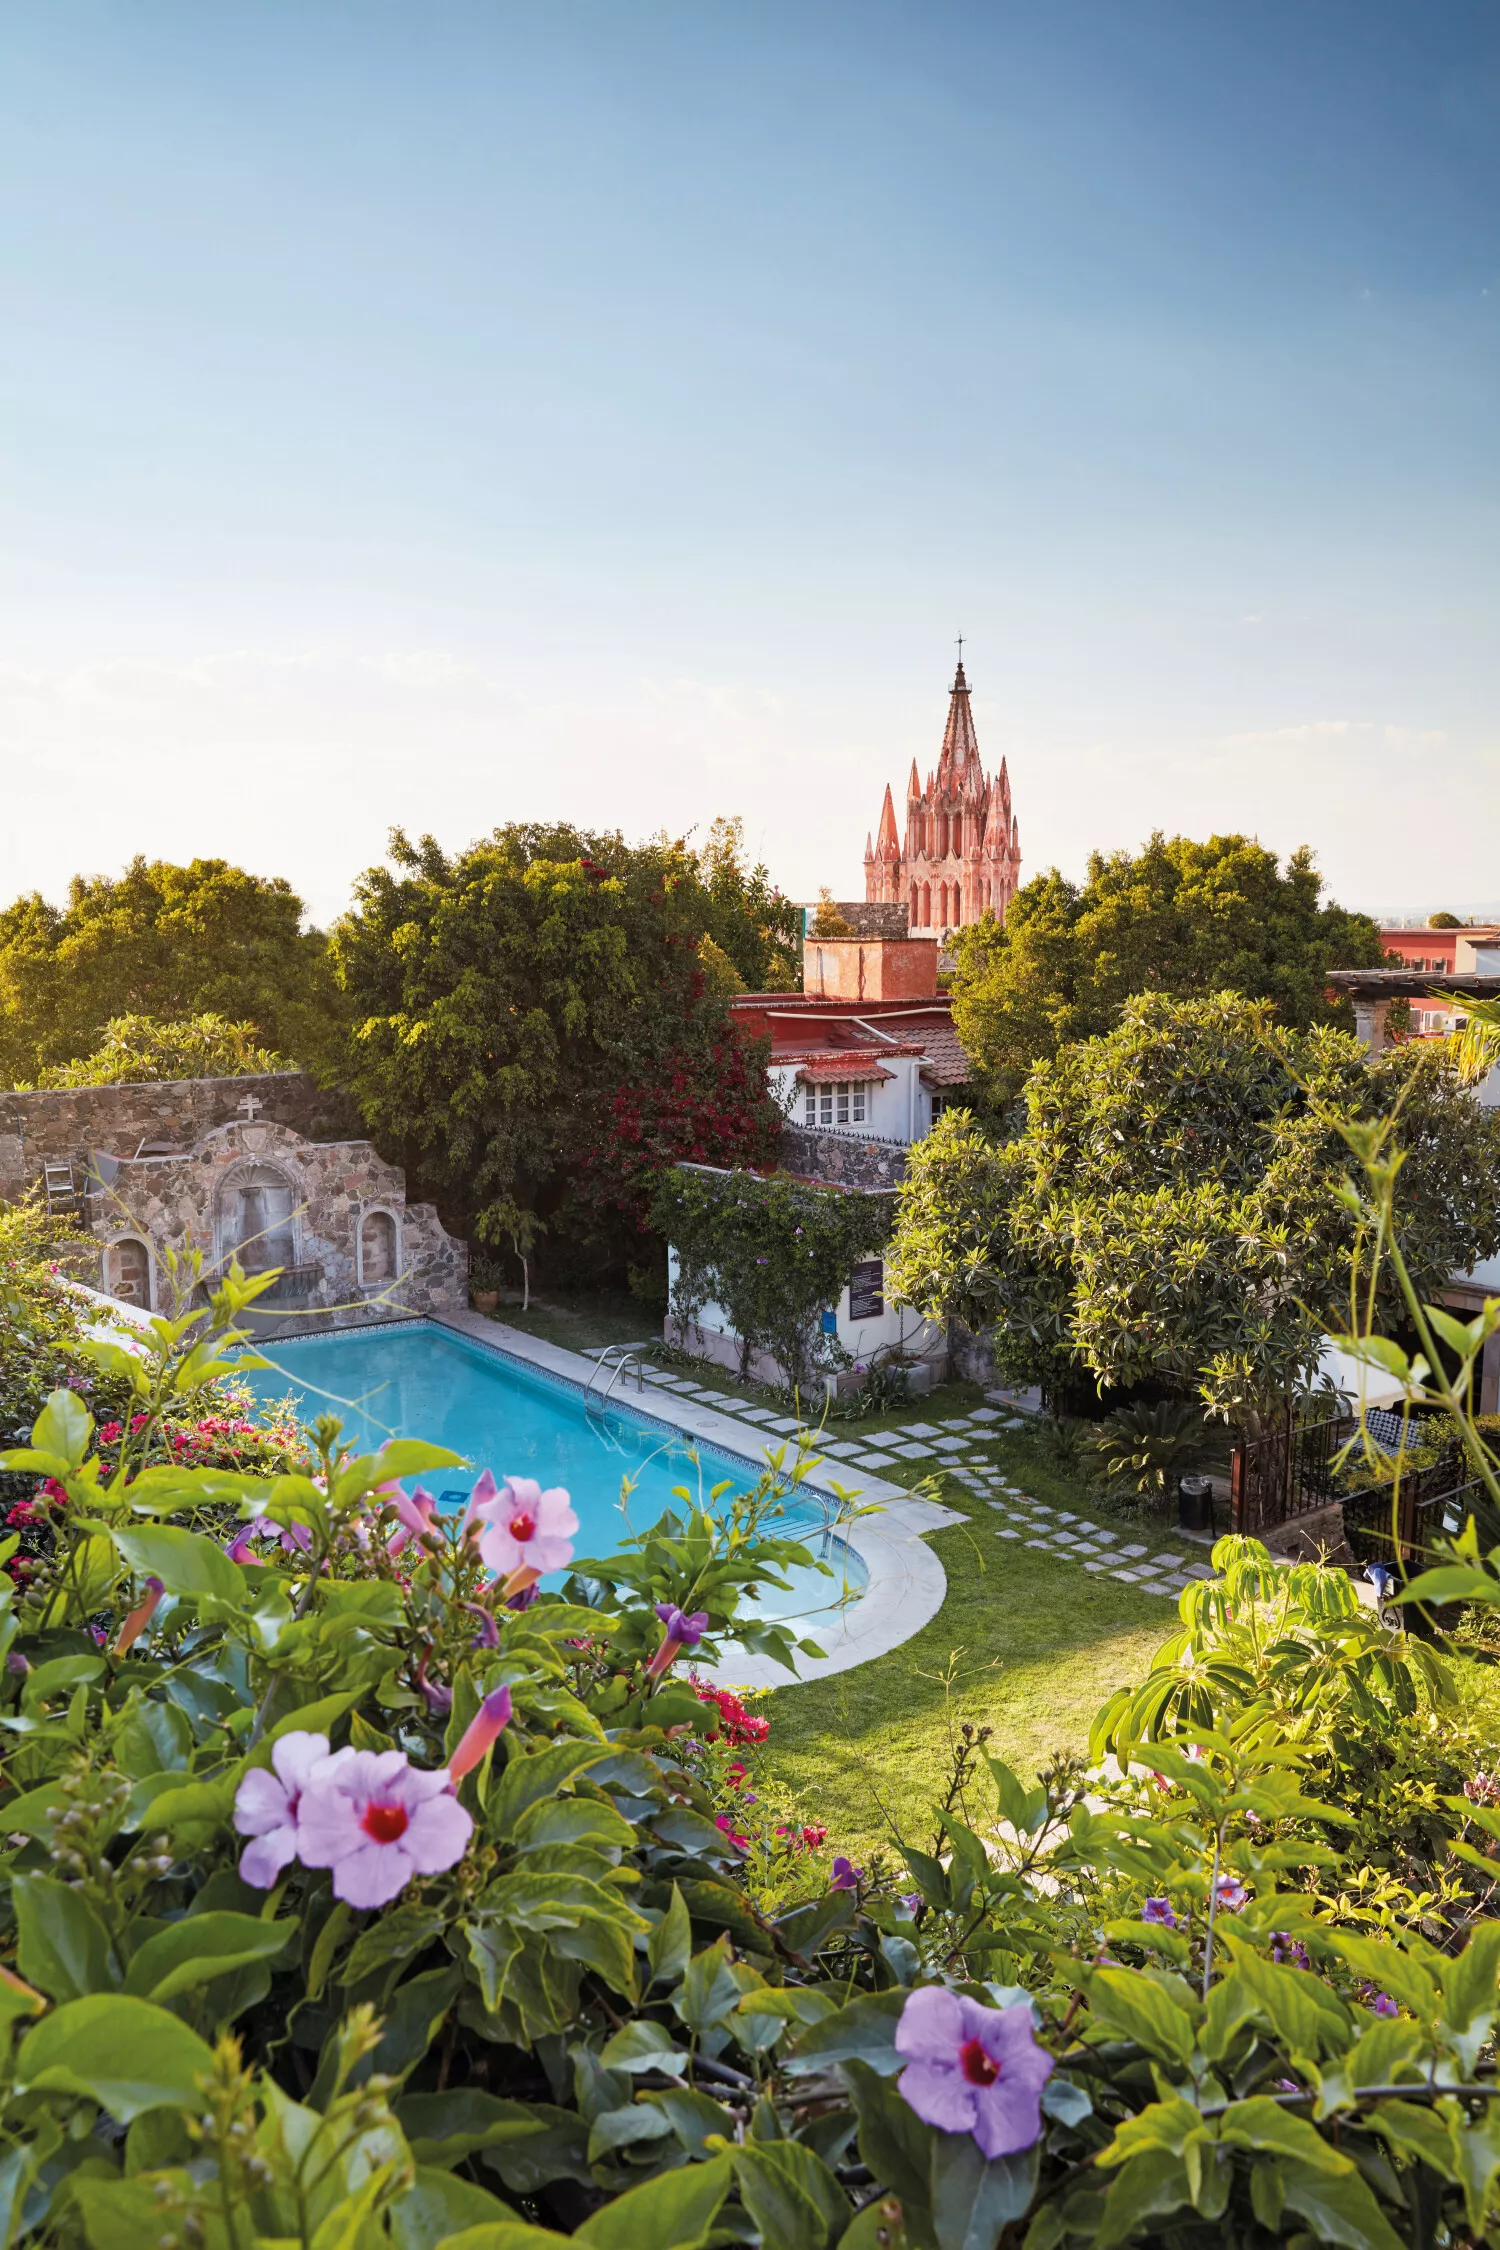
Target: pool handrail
x,y
630,1357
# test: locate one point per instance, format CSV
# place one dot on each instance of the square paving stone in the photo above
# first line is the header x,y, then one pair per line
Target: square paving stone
x,y
1002,1532
1044,1544
1201,1570
920,1429
1096,1566
875,1460
1127,1575
1133,1552
780,1422
985,1414
947,1445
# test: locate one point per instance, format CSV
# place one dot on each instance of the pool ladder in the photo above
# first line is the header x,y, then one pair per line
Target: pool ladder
x,y
617,1360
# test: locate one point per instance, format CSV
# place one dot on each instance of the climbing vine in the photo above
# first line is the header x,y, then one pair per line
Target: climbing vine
x,y
774,1251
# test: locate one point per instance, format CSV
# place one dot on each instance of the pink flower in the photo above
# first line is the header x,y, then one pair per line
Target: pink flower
x,y
524,1528
377,1821
265,1806
482,1730
972,2069
140,1617
415,1511
724,1823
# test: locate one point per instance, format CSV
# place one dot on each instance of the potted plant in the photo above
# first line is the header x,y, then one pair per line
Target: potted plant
x,y
484,1283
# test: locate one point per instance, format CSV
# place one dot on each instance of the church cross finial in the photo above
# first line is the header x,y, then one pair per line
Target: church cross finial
x,y
250,1104
960,648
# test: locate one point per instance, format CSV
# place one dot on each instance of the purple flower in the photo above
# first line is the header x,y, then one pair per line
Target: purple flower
x,y
377,1821
1284,1947
1379,2003
972,2069
912,1901
1230,1893
1159,1910
295,1537
846,1876
265,1806
677,1632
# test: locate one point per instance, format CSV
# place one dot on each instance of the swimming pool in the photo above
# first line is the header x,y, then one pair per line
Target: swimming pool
x,y
418,1380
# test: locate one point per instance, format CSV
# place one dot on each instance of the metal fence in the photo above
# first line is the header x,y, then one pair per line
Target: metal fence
x,y
1290,1471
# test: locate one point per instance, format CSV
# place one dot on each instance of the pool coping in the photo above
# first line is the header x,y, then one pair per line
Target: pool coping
x,y
905,1586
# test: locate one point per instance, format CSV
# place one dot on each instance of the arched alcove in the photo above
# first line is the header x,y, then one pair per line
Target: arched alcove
x,y
127,1271
379,1253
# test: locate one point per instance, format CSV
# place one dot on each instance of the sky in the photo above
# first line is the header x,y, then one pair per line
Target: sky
x,y
449,414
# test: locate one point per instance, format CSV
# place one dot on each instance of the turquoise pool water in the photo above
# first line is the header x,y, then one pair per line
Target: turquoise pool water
x,y
426,1382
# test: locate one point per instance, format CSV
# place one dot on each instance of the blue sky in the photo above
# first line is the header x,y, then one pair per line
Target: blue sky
x,y
452,413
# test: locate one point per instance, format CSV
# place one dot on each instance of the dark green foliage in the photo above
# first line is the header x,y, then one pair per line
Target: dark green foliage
x,y
164,942
774,1252
1171,1209
535,1034
1178,917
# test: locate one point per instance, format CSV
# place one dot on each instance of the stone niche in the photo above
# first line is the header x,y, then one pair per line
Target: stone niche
x,y
259,1169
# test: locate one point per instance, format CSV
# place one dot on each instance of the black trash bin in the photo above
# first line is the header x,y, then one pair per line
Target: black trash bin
x,y
1195,1504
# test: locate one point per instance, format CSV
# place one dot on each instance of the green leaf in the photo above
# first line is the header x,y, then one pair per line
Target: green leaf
x,y
864,2031
185,1561
670,1945
507,2235
63,1427
1134,2007
63,1946
121,2052
623,2127
893,2142
675,2212
1392,1969
1469,1989
791,2195
1338,2207
1263,2124
435,2207
442,2129
527,1780
643,2045
191,1953
973,2199
1451,1582
708,1993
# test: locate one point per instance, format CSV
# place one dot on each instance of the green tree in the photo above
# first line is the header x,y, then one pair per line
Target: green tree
x,y
1177,917
139,1048
535,1034
1171,1212
745,915
164,941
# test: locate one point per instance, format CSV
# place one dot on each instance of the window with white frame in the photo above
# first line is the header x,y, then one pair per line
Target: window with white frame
x,y
838,1101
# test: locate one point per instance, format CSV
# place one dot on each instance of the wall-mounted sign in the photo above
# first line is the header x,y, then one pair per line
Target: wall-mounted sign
x,y
867,1290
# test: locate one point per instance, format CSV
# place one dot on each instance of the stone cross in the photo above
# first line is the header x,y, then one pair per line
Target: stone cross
x,y
250,1104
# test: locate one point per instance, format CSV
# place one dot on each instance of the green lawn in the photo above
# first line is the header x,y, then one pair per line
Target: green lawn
x,y
1025,1643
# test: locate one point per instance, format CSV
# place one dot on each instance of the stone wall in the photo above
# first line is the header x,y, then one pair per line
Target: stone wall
x,y
187,1203
845,1162
64,1125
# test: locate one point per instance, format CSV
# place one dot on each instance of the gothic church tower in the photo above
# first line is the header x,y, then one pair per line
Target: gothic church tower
x,y
961,853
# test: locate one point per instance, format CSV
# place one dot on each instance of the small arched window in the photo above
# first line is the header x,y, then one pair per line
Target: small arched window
x,y
127,1272
377,1247
927,906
